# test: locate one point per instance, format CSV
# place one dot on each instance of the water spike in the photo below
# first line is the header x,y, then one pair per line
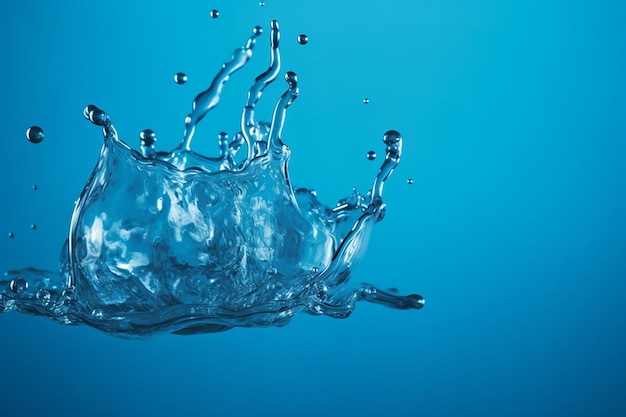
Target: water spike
x,y
101,118
209,98
393,140
280,111
256,91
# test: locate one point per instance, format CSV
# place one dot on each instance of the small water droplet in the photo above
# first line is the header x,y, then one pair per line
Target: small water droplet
x,y
303,39
366,100
35,187
34,134
214,13
11,235
18,285
33,226
409,181
148,137
96,116
262,3
180,78
371,155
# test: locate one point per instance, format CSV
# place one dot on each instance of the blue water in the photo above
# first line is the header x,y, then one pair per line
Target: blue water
x,y
512,228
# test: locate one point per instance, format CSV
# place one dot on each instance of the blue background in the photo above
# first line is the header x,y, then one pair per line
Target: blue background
x,y
513,115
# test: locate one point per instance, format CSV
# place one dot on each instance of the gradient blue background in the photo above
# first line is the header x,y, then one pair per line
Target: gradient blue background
x,y
513,115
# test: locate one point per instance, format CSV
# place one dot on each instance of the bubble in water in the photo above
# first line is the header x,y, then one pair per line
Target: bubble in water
x,y
303,39
97,313
11,235
35,187
43,296
366,100
214,13
147,137
262,3
18,285
409,181
33,226
180,78
371,155
34,134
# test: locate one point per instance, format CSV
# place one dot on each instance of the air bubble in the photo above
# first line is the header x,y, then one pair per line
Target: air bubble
x,y
43,296
262,3
18,285
11,235
214,13
97,313
35,187
409,181
303,39
34,134
366,100
180,78
371,155
33,226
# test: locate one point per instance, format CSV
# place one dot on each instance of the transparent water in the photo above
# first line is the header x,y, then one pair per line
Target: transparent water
x,y
180,242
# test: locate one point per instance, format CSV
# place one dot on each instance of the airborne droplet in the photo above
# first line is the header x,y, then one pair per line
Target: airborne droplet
x,y
371,155
148,137
214,13
18,285
34,134
303,39
180,78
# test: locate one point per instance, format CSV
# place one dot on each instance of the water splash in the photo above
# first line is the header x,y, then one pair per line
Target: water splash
x,y
184,243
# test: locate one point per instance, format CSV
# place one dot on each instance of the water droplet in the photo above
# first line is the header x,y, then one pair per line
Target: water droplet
x,y
18,285
262,3
34,134
409,181
11,235
371,155
366,100
96,116
35,187
87,111
214,13
33,226
43,295
180,78
148,137
392,137
303,39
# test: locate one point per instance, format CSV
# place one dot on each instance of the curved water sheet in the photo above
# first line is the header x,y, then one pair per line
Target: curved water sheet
x,y
179,242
